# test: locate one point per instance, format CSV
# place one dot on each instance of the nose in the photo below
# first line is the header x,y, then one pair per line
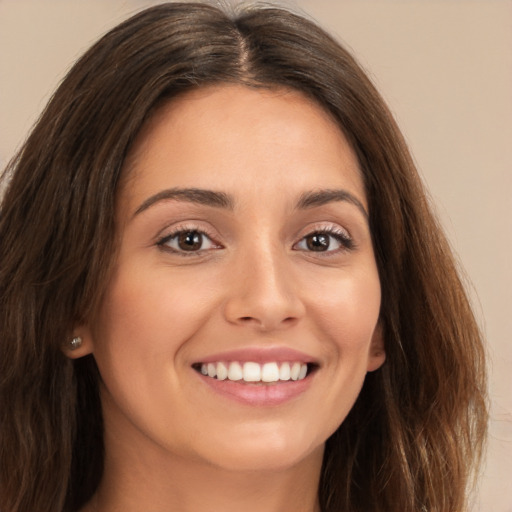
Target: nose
x,y
262,292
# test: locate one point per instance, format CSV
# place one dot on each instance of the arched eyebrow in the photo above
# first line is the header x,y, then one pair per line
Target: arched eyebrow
x,y
190,195
317,198
216,199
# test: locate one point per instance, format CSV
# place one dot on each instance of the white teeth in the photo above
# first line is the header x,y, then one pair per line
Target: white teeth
x,y
295,371
222,371
235,372
284,371
255,372
270,372
252,372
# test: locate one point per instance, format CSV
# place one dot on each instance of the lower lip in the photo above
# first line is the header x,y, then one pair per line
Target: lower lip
x,y
260,395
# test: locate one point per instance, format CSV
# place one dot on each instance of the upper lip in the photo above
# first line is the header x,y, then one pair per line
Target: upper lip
x,y
260,355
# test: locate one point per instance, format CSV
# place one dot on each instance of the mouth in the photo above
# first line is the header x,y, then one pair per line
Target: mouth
x,y
268,373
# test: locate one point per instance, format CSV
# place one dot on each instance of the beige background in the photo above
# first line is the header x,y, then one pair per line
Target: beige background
x,y
445,68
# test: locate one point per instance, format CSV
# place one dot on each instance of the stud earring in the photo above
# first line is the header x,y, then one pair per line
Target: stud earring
x,y
75,343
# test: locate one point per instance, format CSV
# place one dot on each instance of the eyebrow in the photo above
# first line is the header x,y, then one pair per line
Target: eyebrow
x,y
320,197
190,195
307,200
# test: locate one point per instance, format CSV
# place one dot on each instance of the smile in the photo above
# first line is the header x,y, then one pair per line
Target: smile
x,y
255,372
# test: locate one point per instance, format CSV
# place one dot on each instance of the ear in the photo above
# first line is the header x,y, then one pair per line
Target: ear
x,y
79,344
377,353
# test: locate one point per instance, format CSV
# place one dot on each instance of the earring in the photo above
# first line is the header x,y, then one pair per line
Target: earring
x,y
75,343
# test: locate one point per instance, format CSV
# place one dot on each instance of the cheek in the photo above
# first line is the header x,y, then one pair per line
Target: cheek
x,y
348,311
144,321
148,312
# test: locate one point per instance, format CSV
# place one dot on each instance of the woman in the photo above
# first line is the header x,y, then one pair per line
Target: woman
x,y
222,286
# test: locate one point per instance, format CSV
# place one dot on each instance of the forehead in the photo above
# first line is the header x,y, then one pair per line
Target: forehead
x,y
224,137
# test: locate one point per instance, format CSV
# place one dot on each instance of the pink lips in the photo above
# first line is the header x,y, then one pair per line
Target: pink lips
x,y
260,355
258,394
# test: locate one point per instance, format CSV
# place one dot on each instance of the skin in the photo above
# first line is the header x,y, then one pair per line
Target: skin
x,y
173,443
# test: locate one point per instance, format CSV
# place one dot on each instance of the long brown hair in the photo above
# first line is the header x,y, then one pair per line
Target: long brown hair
x,y
416,431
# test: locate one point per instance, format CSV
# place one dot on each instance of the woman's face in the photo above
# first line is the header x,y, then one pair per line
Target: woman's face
x,y
245,261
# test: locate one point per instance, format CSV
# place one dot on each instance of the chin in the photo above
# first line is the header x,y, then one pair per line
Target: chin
x,y
273,453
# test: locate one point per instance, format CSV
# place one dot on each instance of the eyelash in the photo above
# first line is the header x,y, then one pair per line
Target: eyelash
x,y
341,236
163,242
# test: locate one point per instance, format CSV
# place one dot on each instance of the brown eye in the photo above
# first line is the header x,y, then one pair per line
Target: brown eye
x,y
318,242
190,241
328,241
